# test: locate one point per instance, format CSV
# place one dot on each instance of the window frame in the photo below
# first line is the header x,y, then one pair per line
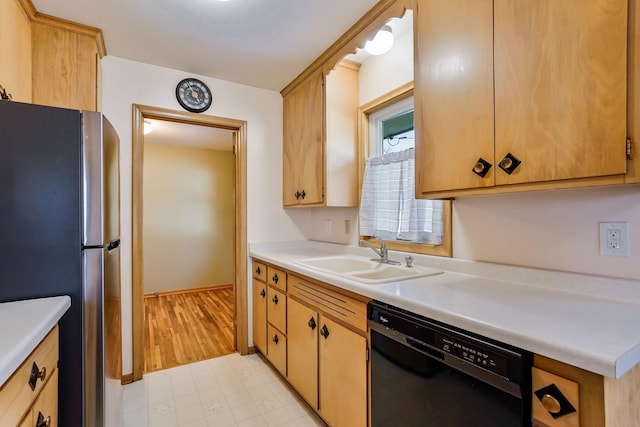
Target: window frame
x,y
364,138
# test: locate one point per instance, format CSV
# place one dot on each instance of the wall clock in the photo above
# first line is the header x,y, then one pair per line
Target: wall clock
x,y
194,95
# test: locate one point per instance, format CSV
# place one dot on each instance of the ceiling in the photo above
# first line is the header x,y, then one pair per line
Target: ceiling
x,y
260,43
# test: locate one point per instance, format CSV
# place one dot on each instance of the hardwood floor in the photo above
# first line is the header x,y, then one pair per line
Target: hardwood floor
x,y
188,327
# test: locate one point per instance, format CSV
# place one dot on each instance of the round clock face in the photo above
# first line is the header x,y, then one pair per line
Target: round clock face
x,y
193,95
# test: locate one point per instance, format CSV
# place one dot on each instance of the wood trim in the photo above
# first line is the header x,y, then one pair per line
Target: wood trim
x,y
139,113
188,291
52,21
126,379
354,37
398,94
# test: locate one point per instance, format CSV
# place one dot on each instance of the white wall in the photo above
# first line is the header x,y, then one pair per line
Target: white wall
x,y
188,217
127,82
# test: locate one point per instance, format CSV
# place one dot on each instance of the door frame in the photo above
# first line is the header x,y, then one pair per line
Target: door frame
x,y
239,127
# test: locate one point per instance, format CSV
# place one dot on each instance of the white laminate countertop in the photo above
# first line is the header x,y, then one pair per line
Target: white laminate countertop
x,y
591,322
23,325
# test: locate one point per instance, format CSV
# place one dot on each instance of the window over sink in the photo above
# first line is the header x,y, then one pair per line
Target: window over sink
x,y
388,207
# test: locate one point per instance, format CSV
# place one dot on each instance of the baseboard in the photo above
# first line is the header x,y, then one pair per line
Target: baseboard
x,y
126,379
190,290
252,350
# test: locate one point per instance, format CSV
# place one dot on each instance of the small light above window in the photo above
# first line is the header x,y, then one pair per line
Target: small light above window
x,y
148,127
381,43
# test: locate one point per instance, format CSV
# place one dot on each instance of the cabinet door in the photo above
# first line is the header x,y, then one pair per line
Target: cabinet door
x,y
277,309
65,68
453,80
260,316
302,337
560,88
277,349
303,144
343,375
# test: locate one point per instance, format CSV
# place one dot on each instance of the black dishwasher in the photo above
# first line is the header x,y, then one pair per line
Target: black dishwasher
x,y
425,373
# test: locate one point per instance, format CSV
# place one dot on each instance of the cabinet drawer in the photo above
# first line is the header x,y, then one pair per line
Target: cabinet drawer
x,y
45,409
330,302
16,395
549,386
277,349
259,271
277,309
277,278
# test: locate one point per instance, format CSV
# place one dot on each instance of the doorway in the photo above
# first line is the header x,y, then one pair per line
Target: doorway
x,y
238,131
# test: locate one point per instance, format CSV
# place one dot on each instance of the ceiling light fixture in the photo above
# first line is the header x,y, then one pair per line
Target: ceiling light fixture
x,y
148,127
381,43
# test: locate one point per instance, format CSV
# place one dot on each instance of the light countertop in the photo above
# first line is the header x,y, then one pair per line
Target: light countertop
x,y
24,325
586,321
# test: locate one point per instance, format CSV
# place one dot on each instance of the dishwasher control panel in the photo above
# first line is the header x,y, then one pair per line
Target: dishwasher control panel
x,y
473,354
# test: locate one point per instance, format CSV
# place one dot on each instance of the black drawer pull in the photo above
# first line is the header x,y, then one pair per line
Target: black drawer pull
x,y
258,271
276,339
312,323
35,374
275,279
324,332
263,293
275,299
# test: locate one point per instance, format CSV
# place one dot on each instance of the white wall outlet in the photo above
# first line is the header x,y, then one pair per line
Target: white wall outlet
x,y
347,226
328,225
614,239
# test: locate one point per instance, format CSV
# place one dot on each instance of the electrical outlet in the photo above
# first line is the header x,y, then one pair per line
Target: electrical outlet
x,y
614,239
328,225
347,226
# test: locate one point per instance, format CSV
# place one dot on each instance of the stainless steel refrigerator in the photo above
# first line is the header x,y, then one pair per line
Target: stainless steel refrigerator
x,y
60,235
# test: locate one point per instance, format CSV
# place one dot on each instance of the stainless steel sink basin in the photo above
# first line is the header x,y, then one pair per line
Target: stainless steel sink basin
x,y
364,270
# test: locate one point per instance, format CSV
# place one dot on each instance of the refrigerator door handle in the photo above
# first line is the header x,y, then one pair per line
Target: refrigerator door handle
x,y
113,245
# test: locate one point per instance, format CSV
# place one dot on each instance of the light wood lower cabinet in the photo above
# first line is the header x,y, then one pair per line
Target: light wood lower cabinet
x,y
260,316
317,339
302,324
342,375
33,388
598,401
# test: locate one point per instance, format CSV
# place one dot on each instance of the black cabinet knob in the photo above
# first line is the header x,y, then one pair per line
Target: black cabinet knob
x,y
42,421
275,339
258,270
263,293
275,299
324,332
481,168
36,373
275,279
297,195
509,163
303,194
312,323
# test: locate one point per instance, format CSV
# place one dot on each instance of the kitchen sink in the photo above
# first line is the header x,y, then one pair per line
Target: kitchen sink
x,y
365,270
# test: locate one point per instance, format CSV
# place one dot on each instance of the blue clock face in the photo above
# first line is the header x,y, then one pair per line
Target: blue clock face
x,y
194,95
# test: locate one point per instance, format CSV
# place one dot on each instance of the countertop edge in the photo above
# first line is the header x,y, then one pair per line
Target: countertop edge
x,y
38,329
613,368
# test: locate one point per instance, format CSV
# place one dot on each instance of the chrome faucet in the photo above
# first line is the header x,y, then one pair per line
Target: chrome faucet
x,y
382,252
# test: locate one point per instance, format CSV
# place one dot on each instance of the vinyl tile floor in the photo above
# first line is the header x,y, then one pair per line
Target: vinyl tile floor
x,y
232,390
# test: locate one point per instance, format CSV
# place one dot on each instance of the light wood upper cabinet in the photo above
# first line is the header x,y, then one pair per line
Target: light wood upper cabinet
x,y
66,68
15,39
550,76
320,139
303,148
